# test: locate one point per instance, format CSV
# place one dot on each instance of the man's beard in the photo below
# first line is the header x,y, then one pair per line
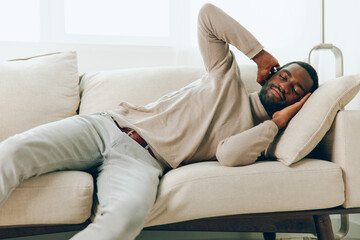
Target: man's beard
x,y
270,106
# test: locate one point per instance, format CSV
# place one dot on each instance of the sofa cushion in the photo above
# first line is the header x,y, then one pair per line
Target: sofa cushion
x,y
315,118
185,193
102,91
37,90
56,198
207,189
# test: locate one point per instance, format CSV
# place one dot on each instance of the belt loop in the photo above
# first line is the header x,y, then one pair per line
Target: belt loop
x,y
130,132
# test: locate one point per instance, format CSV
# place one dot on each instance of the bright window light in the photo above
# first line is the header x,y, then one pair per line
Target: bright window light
x,y
285,21
19,20
133,18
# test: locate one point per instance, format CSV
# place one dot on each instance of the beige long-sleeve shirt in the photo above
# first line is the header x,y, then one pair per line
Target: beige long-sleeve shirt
x,y
213,117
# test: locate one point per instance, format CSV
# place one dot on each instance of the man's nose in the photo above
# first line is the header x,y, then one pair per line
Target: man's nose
x,y
285,87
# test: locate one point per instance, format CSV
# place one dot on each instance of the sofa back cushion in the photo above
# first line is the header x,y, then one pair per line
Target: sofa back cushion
x,y
104,90
37,90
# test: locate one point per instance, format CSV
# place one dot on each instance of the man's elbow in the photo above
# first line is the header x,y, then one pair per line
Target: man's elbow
x,y
230,158
223,160
205,10
207,7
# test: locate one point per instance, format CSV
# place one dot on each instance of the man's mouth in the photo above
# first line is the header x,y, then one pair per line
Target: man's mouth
x,y
278,93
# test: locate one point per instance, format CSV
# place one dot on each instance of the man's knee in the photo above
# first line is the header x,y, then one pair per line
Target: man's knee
x,y
10,149
14,152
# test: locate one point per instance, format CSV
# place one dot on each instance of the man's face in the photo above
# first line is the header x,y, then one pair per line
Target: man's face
x,y
285,87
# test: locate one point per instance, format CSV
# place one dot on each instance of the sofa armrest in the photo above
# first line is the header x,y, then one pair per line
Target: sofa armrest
x,y
341,146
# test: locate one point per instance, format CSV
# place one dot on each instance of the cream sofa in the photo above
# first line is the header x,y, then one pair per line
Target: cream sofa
x,y
265,197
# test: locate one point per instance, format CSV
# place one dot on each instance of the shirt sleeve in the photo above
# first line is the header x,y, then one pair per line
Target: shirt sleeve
x,y
216,30
244,148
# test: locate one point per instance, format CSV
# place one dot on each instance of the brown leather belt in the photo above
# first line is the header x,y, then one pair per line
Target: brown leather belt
x,y
136,137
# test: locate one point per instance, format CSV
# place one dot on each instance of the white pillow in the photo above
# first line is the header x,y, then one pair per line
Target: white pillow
x,y
37,90
315,118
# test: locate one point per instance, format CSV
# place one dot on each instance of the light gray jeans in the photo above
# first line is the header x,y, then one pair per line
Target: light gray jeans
x,y
127,179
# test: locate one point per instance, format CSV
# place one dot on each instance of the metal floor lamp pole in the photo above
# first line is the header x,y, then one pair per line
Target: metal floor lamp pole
x,y
328,46
344,218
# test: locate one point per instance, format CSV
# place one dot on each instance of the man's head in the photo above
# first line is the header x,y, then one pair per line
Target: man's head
x,y
287,86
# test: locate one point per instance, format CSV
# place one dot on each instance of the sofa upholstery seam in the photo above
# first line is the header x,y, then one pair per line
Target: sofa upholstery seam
x,y
232,176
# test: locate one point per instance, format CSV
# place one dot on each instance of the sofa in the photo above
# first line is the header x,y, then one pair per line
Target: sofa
x,y
268,196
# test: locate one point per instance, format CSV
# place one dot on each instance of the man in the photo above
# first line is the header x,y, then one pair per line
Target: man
x,y
212,118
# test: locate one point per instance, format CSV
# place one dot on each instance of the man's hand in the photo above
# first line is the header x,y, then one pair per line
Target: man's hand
x,y
282,117
265,63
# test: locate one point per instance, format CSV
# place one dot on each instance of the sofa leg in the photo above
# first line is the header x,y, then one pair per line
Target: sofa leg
x,y
323,227
269,236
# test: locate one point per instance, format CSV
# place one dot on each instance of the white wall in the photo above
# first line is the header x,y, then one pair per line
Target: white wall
x,y
95,57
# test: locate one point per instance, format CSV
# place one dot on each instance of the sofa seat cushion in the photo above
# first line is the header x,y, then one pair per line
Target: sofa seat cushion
x,y
64,197
207,189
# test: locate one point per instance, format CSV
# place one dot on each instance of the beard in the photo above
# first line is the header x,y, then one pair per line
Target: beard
x,y
269,104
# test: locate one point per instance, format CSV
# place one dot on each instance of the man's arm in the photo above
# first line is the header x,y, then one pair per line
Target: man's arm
x,y
216,30
244,148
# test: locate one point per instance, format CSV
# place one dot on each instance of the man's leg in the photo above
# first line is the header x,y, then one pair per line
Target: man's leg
x,y
126,189
74,143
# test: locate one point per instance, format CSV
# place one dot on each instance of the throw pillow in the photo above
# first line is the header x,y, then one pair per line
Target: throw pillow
x,y
310,124
37,90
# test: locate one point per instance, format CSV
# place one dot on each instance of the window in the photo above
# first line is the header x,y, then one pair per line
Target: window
x,y
279,24
285,21
87,21
152,22
135,18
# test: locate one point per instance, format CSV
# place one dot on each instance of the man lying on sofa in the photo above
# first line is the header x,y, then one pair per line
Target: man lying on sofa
x,y
214,118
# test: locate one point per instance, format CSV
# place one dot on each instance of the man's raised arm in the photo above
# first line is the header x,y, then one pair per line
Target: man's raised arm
x,y
216,30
